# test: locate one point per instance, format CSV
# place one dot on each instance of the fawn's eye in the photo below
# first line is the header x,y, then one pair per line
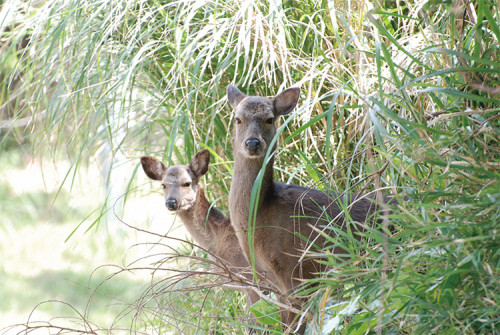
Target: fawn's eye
x,y
163,186
238,121
270,120
186,184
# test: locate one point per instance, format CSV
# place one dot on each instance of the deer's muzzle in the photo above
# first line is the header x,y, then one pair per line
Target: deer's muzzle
x,y
253,145
171,204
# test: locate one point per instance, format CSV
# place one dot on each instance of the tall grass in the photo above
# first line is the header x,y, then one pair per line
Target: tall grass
x,y
398,97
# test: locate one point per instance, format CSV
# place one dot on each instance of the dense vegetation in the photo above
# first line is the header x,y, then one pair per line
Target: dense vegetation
x,y
399,97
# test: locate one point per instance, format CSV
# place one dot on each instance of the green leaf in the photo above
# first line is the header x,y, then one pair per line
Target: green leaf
x,y
266,313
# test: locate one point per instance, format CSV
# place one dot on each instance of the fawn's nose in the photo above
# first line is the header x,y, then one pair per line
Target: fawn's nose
x,y
253,145
171,204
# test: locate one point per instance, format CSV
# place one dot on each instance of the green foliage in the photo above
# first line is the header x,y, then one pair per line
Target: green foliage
x,y
191,307
267,314
396,97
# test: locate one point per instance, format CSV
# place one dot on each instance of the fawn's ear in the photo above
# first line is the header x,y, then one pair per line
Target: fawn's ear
x,y
286,101
153,168
199,163
234,96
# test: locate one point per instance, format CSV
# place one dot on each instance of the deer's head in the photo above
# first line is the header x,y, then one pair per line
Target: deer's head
x,y
179,182
255,119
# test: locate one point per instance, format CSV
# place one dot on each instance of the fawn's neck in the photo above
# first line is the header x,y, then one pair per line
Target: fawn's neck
x,y
200,225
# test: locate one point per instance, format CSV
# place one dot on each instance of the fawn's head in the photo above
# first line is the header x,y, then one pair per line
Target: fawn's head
x,y
179,182
255,119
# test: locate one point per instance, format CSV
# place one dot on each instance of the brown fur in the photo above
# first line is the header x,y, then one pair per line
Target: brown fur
x,y
213,232
284,212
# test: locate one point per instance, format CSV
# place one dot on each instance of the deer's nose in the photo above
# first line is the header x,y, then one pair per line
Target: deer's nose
x,y
253,145
171,204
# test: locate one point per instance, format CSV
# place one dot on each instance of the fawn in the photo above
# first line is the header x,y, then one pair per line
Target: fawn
x,y
185,195
288,216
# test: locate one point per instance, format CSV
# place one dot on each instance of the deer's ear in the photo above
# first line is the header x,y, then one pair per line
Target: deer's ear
x,y
234,96
153,168
199,163
286,101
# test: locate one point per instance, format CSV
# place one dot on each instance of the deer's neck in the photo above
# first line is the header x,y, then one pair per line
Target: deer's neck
x,y
201,220
245,173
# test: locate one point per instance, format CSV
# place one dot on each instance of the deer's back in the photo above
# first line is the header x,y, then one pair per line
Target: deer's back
x,y
297,208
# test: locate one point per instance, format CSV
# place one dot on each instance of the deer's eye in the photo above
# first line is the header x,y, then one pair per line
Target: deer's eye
x,y
163,186
238,121
186,184
270,120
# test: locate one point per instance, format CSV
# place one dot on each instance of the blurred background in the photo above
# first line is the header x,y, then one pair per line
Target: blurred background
x,y
396,96
44,255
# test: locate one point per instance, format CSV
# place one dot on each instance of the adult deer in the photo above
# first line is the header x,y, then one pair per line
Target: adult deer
x,y
287,217
185,195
